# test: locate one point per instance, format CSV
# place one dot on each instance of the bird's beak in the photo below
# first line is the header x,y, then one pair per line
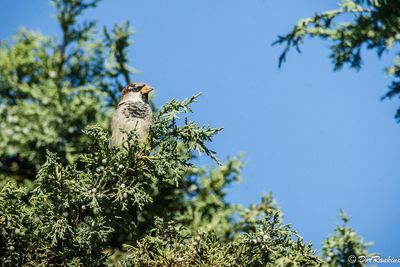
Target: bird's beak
x,y
146,89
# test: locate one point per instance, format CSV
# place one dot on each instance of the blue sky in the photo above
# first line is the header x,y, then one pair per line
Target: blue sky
x,y
319,140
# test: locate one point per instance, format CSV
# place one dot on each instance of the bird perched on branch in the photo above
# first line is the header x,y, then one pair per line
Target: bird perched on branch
x,y
133,113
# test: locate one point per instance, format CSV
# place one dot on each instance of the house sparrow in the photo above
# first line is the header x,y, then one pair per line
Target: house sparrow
x,y
133,113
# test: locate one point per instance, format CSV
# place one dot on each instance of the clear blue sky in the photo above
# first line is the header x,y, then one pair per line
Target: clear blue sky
x,y
319,140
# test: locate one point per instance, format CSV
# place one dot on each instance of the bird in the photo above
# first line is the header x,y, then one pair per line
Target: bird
x,y
133,113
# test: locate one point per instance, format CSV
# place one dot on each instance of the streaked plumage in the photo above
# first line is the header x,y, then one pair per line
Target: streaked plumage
x,y
133,113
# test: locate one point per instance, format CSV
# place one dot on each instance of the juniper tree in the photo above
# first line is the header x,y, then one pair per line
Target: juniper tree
x,y
354,26
52,88
68,198
345,247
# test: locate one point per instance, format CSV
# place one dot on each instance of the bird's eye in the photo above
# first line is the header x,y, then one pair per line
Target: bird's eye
x,y
136,87
133,88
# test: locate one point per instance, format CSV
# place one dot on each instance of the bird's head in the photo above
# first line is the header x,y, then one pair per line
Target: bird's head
x,y
136,92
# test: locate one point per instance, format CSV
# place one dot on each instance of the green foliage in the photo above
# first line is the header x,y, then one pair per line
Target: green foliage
x,y
271,245
345,244
78,215
205,208
69,198
80,212
373,24
51,90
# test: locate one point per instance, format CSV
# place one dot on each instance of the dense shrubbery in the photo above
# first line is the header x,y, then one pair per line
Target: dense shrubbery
x,y
68,198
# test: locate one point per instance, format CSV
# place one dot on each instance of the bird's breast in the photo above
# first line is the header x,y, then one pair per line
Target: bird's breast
x,y
131,116
135,110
